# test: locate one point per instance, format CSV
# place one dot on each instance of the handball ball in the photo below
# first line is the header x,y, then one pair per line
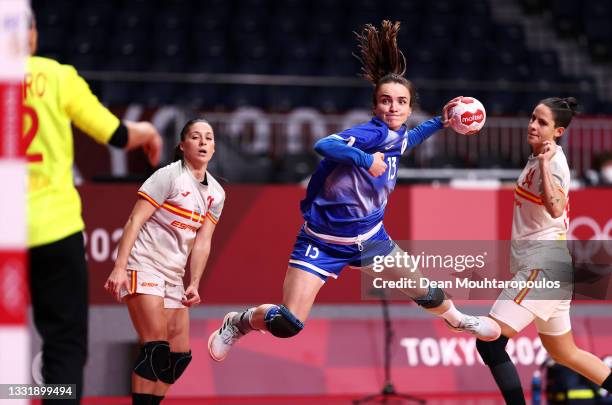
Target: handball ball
x,y
468,116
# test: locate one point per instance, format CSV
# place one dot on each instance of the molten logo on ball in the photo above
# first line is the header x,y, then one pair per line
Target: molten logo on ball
x,y
468,116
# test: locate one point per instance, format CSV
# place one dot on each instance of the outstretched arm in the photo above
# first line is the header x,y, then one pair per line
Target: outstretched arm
x,y
423,131
93,118
426,129
144,134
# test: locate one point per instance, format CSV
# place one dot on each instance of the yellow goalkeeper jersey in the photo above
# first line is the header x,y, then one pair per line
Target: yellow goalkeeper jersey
x,y
54,97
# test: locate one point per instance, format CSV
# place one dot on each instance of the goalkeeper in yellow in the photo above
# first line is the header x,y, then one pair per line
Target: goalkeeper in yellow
x,y
55,96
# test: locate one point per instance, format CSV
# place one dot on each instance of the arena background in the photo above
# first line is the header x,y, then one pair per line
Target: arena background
x,y
273,77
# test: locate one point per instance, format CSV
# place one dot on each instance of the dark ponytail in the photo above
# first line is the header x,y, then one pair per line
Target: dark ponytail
x,y
381,59
563,109
178,153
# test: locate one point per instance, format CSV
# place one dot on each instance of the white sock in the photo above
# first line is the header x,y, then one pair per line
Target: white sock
x,y
249,315
453,315
243,321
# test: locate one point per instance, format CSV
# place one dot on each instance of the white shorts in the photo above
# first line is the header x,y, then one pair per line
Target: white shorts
x,y
148,283
519,307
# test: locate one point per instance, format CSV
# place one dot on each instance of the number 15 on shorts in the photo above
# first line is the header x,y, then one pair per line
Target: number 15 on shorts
x,y
312,252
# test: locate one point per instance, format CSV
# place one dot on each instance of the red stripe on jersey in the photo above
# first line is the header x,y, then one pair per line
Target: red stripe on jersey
x,y
527,196
212,219
183,213
148,198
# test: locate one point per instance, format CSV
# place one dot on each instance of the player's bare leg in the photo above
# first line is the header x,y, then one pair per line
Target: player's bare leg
x,y
300,289
434,301
563,350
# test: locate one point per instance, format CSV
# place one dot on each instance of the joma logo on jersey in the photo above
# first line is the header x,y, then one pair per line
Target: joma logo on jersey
x,y
181,225
185,194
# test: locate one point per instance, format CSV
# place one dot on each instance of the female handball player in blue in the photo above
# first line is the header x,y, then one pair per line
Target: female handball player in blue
x,y
345,204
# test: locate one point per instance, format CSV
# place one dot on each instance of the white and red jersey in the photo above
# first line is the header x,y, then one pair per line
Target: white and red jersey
x,y
183,204
531,221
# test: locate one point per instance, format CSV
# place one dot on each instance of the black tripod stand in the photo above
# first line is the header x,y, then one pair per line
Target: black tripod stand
x,y
388,391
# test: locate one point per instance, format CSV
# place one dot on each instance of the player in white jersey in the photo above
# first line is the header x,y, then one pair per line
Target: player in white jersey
x,y
174,219
539,252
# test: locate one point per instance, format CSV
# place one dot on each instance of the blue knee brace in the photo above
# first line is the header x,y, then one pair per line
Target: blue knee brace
x,y
282,323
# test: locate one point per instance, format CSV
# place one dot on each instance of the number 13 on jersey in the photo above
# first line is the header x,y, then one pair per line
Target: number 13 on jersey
x,y
392,163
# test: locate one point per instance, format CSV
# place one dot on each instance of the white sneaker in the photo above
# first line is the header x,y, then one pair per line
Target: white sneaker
x,y
221,341
483,327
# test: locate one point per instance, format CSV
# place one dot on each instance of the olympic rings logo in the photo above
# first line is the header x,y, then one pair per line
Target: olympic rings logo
x,y
585,250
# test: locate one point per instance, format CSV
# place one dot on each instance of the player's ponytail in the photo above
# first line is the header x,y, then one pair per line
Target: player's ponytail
x,y
563,109
379,54
381,59
178,153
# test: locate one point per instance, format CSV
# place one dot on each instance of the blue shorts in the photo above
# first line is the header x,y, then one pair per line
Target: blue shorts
x,y
325,259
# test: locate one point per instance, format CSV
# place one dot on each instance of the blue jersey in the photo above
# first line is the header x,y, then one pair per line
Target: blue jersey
x,y
344,199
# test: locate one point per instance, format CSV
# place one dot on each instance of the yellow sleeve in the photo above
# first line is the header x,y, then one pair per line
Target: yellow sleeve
x,y
84,108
